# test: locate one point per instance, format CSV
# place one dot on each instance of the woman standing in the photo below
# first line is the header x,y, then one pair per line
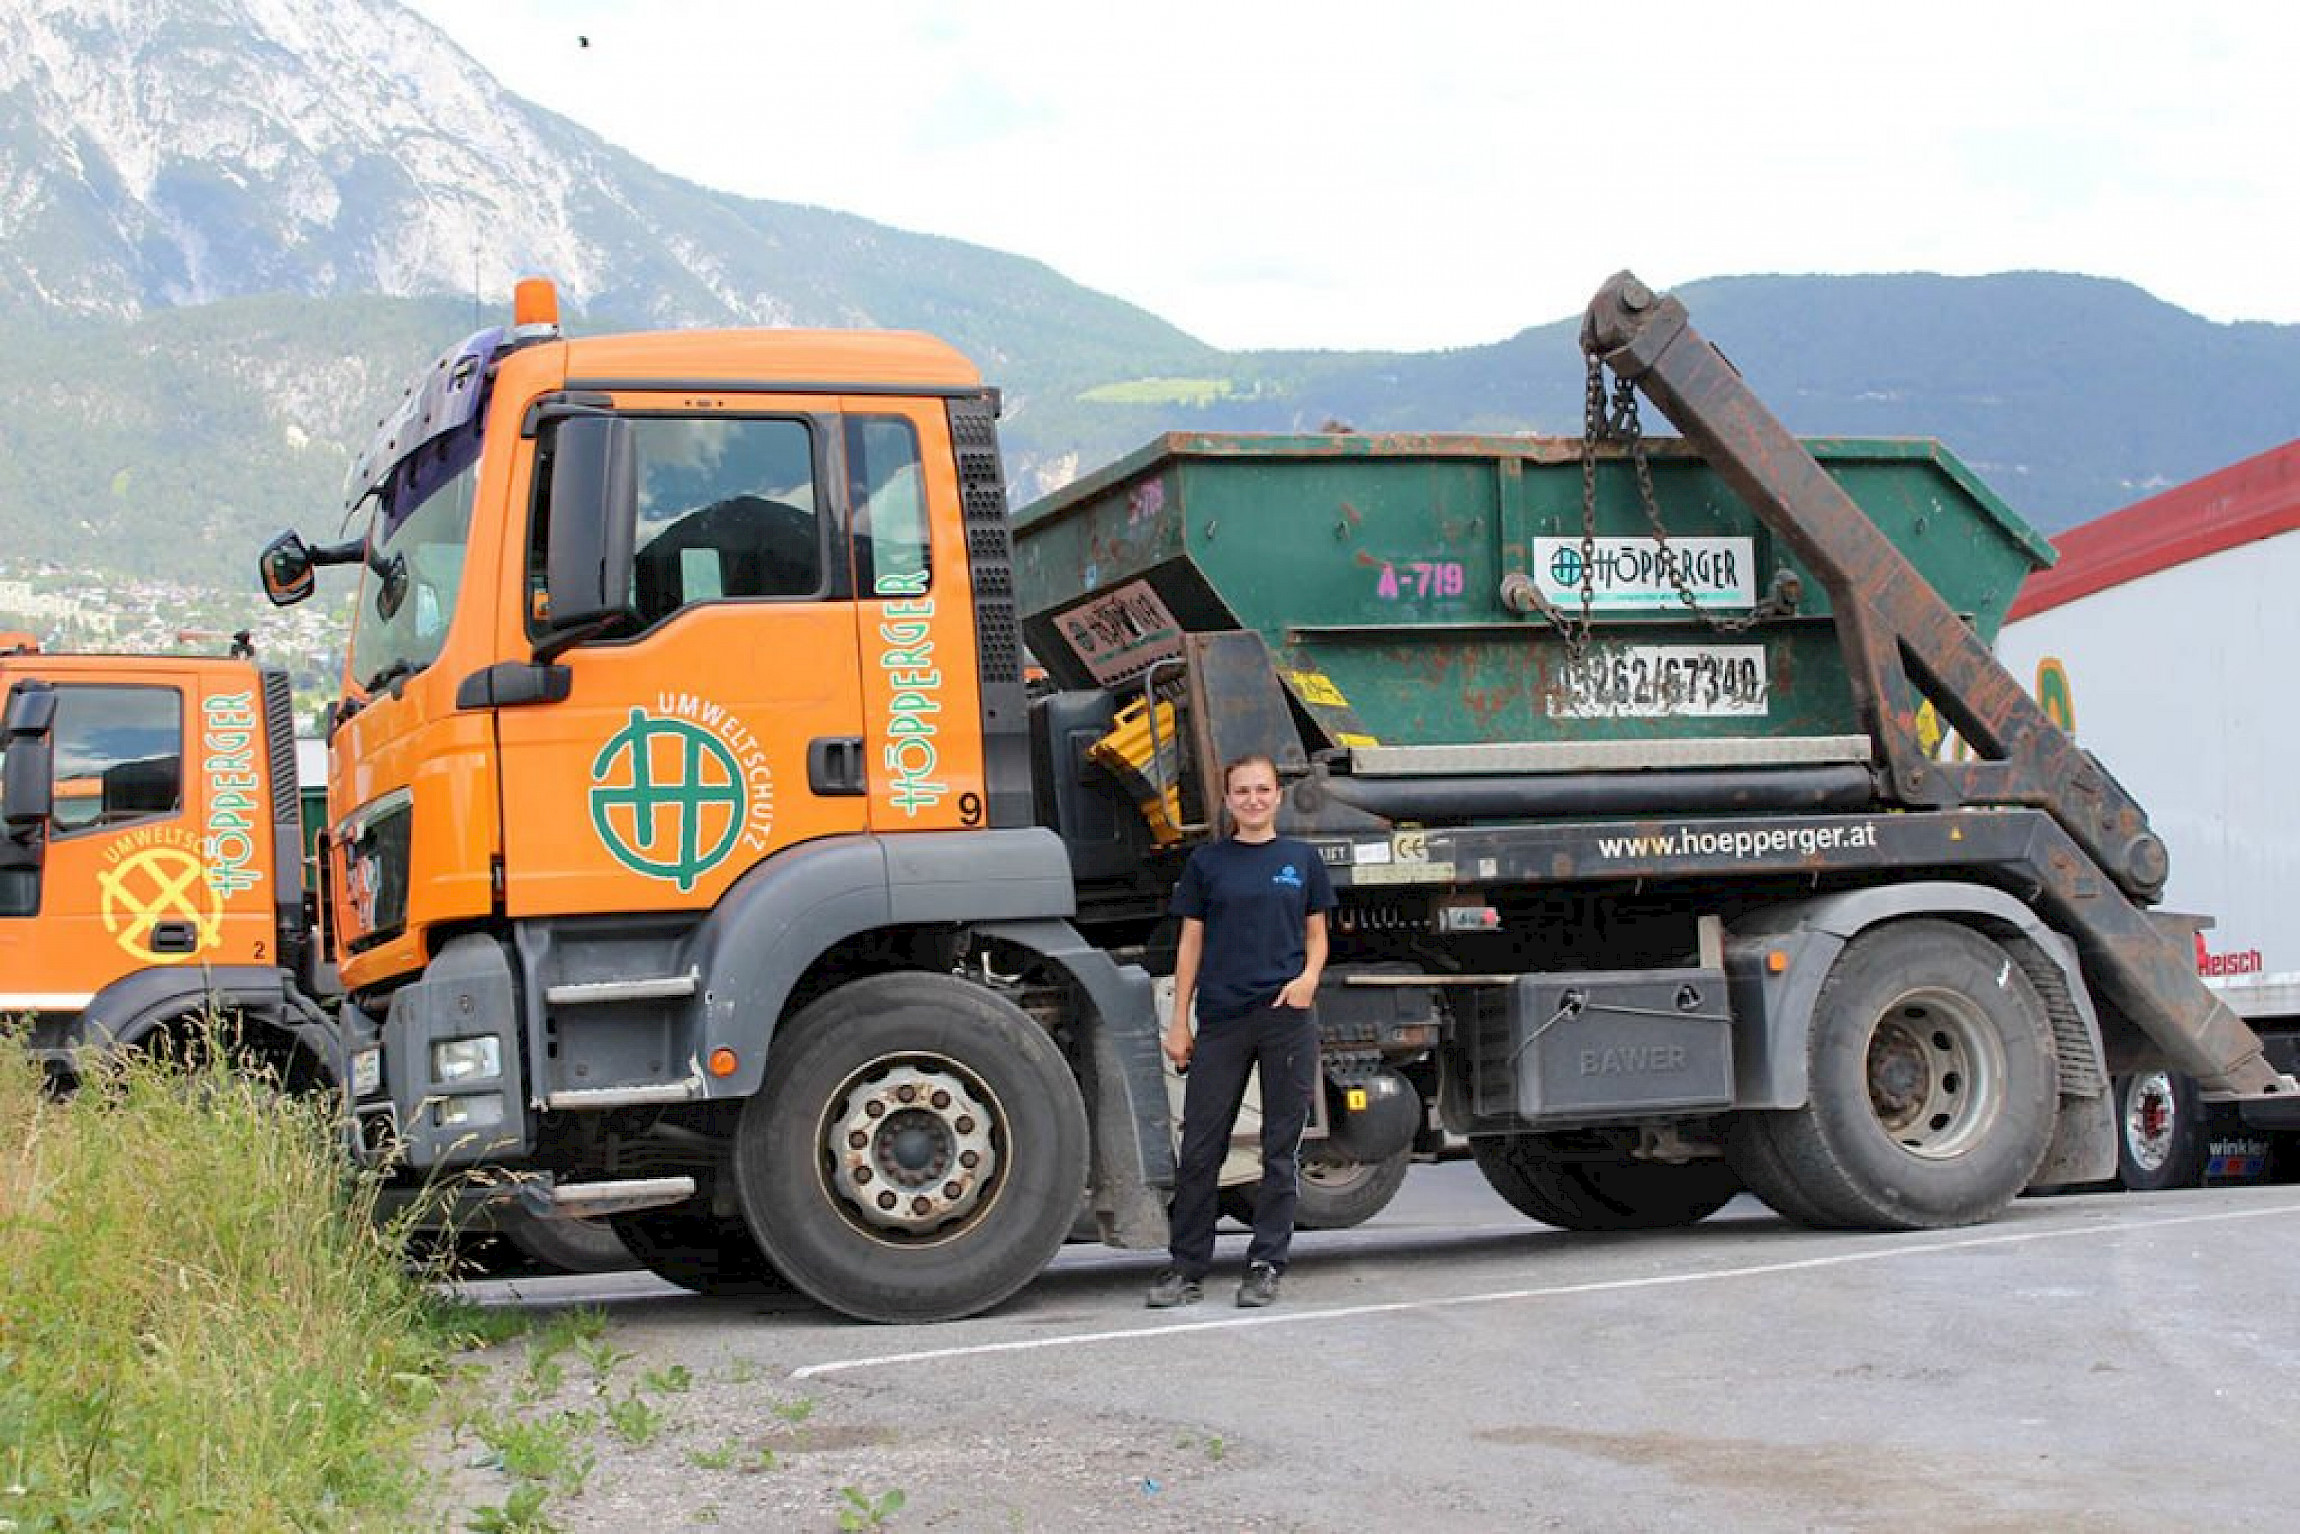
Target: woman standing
x,y
1253,909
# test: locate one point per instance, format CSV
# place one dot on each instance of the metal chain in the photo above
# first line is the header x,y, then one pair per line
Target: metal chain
x,y
1623,425
1592,427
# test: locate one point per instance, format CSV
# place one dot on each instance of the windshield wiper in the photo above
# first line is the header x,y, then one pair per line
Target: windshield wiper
x,y
388,674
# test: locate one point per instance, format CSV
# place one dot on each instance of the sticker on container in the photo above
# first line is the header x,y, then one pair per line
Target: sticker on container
x,y
1122,632
1663,682
1346,738
1636,573
1366,854
1403,873
1317,688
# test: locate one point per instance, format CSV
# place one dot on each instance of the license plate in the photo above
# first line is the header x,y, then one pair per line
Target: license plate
x,y
366,1072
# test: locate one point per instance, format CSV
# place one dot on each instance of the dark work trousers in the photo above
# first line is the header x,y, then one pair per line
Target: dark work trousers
x,y
1283,1041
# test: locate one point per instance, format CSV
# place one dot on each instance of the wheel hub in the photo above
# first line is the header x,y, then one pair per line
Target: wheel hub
x,y
2148,1121
1934,1070
910,1147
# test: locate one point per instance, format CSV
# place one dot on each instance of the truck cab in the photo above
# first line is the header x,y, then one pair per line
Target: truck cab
x,y
684,692
150,864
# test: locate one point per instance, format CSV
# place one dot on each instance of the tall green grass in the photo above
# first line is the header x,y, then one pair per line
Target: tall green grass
x,y
201,1325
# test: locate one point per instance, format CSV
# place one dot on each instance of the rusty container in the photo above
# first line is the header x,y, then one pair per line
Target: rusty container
x,y
1426,590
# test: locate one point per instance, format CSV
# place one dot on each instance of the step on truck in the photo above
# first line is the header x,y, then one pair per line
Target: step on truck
x,y
699,853
151,876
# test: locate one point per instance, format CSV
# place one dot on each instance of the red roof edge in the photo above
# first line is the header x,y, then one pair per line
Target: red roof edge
x,y
2243,503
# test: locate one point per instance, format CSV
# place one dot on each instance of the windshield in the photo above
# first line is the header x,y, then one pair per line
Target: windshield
x,y
415,560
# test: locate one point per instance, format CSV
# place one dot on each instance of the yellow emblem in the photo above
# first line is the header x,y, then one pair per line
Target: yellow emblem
x,y
158,884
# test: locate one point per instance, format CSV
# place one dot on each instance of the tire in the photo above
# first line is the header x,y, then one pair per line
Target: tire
x,y
1932,1085
1601,1195
1752,1153
2160,1139
1336,1194
934,1096
686,1244
566,1246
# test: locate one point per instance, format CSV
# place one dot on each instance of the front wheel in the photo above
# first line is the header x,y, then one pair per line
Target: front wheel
x,y
566,1246
688,1245
917,1152
2160,1140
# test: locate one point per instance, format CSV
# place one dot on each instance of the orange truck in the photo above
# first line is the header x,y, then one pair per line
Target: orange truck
x,y
699,859
682,829
151,867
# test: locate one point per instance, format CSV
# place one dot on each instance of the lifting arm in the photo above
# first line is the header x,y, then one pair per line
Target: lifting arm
x,y
1896,631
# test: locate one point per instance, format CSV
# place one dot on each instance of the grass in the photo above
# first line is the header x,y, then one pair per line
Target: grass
x,y
201,1326
553,1451
1159,391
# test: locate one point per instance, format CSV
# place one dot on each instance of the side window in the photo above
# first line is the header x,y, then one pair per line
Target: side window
x,y
727,508
119,756
888,494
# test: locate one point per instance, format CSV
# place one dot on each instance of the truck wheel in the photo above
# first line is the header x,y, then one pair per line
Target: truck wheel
x,y
565,1246
1752,1153
687,1245
1932,1082
2160,1140
1600,1195
1336,1194
917,1151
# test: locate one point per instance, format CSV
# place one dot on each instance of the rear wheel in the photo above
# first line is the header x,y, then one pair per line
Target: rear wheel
x,y
1336,1194
2160,1140
690,1246
1600,1195
1932,1084
917,1152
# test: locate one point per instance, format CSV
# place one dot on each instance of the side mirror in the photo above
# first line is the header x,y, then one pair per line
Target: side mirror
x,y
28,778
286,568
593,516
390,587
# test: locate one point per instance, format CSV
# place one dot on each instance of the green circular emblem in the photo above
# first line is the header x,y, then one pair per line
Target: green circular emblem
x,y
667,799
2053,693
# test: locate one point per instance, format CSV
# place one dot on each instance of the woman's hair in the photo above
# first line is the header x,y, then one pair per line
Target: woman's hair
x,y
1250,759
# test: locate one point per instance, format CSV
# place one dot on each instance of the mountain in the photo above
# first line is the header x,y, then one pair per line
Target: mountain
x,y
161,153
230,228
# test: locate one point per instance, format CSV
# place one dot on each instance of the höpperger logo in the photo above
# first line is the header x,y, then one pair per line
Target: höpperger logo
x,y
669,798
152,880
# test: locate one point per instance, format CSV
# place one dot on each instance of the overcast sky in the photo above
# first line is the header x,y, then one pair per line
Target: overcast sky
x,y
1425,173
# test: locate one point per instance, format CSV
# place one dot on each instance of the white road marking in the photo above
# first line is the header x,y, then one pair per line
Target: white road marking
x,y
1504,1296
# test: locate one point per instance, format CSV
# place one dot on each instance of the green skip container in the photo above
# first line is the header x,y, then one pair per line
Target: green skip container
x,y
1429,589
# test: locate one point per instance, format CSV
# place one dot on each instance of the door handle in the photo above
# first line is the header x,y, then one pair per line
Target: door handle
x,y
835,767
175,937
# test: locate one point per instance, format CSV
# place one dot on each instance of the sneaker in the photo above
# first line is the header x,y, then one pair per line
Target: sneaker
x,y
1172,1287
1259,1287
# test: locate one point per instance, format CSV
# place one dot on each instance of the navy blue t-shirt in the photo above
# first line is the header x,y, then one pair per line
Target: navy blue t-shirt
x,y
1255,899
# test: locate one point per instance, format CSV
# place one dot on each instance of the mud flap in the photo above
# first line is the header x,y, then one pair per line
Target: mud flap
x,y
2083,1148
1121,1074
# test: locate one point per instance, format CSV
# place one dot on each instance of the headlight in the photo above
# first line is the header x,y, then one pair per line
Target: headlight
x,y
472,1112
466,1059
366,1071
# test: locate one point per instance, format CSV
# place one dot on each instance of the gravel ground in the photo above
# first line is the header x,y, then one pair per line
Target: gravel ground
x,y
2099,1361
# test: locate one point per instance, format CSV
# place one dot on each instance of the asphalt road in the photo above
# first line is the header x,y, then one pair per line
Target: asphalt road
x,y
2103,1361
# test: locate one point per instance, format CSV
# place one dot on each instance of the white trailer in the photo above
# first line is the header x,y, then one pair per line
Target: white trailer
x,y
2167,639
